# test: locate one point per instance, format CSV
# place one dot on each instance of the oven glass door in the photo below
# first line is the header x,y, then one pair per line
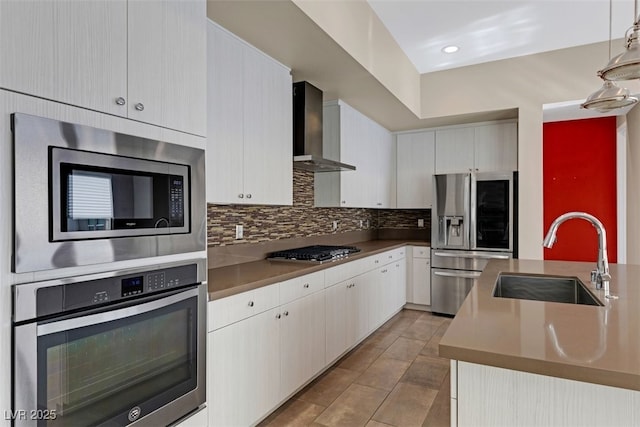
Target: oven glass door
x,y
117,366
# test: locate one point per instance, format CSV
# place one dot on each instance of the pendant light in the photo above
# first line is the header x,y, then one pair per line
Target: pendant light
x,y
626,66
609,96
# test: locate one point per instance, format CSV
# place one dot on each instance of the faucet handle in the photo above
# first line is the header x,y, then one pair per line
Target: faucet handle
x,y
594,278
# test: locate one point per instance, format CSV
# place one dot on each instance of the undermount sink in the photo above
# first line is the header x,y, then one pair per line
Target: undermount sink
x,y
568,290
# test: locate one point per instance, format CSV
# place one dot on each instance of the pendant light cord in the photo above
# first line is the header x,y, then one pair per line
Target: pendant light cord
x,y
610,24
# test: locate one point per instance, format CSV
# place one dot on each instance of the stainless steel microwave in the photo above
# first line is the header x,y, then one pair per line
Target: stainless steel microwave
x,y
84,195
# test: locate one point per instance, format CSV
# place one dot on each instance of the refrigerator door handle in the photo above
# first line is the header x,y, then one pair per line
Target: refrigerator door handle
x,y
469,275
480,256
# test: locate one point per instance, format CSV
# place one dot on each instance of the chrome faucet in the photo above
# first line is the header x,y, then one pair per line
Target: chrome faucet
x,y
600,276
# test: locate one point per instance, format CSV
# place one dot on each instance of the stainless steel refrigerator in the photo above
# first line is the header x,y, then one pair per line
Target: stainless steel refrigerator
x,y
474,220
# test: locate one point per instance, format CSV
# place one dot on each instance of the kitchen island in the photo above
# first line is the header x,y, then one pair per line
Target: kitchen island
x,y
522,362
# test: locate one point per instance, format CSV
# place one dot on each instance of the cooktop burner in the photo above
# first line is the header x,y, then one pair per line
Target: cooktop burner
x,y
315,254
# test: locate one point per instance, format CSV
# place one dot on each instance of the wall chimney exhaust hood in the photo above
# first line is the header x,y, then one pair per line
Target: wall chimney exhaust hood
x,y
307,131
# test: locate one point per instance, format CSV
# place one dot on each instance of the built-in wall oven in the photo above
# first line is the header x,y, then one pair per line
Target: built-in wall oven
x,y
84,195
111,349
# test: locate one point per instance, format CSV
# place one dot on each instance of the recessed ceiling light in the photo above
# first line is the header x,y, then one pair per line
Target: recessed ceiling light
x,y
450,49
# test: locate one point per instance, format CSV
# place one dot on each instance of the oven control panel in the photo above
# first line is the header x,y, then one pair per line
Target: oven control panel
x,y
73,296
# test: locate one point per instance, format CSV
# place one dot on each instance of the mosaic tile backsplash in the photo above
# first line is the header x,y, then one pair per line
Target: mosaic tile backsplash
x,y
266,223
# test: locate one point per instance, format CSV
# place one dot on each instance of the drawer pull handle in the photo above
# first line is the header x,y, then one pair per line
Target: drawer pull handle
x,y
306,286
376,261
390,256
286,313
250,303
278,316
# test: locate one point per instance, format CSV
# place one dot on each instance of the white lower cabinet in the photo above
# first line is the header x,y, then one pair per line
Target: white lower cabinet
x,y
419,283
243,372
336,318
302,343
399,292
347,315
267,343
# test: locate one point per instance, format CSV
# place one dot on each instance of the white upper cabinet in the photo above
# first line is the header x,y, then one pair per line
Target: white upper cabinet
x,y
454,150
495,147
73,52
142,59
481,148
167,54
415,168
249,148
353,138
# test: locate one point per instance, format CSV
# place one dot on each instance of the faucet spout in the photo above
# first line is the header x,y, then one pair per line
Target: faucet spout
x,y
601,272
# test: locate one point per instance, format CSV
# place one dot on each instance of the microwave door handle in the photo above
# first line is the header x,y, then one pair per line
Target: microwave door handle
x,y
470,275
109,315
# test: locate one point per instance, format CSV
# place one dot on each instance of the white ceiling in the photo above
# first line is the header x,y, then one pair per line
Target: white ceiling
x,y
493,30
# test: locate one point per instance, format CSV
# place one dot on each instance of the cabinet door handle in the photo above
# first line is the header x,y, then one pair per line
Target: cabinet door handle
x,y
390,256
343,202
286,313
249,196
278,316
140,106
376,261
240,196
306,286
250,304
120,100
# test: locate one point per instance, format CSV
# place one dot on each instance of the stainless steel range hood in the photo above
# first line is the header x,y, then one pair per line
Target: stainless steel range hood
x,y
307,131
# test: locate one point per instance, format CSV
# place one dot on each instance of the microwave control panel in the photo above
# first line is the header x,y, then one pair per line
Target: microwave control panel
x,y
176,201
74,296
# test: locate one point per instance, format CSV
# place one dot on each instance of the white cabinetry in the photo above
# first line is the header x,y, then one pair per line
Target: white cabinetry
x,y
249,157
267,343
454,150
415,166
145,60
419,283
243,369
264,344
353,138
387,289
495,147
347,316
302,331
481,148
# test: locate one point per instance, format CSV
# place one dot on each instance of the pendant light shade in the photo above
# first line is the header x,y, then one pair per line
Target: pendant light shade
x,y
609,97
625,66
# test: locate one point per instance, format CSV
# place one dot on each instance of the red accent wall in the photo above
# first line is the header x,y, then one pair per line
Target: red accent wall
x,y
579,174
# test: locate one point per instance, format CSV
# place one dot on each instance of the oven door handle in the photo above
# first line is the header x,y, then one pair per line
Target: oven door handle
x,y
472,275
110,315
480,256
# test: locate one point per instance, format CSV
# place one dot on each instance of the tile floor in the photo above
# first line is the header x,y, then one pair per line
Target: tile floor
x,y
393,378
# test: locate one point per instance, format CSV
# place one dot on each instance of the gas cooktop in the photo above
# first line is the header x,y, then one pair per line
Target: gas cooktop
x,y
316,254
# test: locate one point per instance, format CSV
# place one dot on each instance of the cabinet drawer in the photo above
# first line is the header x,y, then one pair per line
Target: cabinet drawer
x,y
389,256
421,252
299,287
224,311
375,261
345,271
